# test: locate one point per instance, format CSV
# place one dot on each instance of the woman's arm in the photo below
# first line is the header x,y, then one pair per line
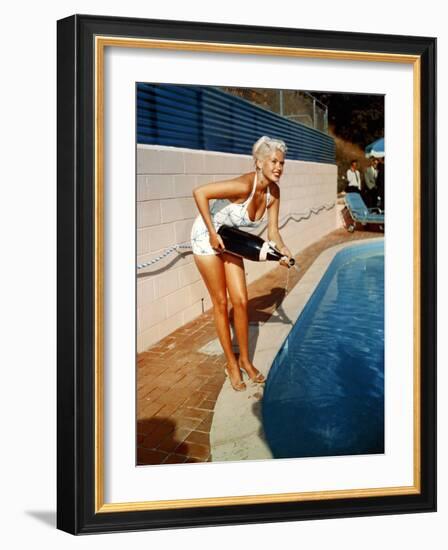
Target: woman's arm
x,y
230,189
273,231
274,207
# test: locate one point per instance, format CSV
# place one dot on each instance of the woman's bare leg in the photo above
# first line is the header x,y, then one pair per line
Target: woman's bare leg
x,y
236,283
212,271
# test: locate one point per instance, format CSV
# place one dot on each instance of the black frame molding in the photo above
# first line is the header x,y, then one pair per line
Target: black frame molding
x,y
76,274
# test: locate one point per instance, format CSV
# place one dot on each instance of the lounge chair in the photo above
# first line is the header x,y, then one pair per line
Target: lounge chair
x,y
356,212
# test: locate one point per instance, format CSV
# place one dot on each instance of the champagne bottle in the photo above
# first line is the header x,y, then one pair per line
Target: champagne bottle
x,y
250,246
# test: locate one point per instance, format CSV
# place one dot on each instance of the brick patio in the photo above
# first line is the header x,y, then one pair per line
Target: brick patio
x,y
177,385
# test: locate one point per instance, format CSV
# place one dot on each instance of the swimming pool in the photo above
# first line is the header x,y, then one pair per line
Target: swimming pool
x,y
325,391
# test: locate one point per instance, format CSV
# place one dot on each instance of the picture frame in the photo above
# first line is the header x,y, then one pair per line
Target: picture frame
x,y
82,41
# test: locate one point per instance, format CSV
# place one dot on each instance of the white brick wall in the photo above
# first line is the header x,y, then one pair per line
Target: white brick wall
x,y
148,213
178,208
171,293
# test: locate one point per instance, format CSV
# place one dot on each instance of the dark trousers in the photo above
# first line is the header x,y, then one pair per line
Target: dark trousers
x,y
352,189
371,197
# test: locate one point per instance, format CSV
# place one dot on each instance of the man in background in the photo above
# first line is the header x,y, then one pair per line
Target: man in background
x,y
353,178
370,178
380,183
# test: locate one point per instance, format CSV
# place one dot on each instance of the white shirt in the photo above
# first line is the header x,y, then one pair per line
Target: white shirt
x,y
354,178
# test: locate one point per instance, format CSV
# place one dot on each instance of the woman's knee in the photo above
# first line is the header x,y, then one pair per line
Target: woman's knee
x,y
220,303
240,302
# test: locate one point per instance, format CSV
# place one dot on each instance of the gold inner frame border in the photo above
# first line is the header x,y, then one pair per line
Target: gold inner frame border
x,y
101,42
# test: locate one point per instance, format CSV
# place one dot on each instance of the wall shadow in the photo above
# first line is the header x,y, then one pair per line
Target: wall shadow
x,y
162,441
153,433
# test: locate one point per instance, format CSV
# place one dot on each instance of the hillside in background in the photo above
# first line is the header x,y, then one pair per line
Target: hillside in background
x,y
357,118
353,120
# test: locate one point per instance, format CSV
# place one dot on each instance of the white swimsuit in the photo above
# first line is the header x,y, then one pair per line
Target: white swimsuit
x,y
223,212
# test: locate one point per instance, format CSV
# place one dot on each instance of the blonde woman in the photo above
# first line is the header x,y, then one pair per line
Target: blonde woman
x,y
241,202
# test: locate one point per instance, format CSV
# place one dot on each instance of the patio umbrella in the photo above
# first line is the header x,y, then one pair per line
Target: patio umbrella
x,y
375,149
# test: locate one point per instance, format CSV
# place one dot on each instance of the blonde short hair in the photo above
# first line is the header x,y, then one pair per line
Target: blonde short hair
x,y
266,145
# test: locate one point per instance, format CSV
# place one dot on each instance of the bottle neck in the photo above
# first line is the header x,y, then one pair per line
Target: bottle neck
x,y
270,252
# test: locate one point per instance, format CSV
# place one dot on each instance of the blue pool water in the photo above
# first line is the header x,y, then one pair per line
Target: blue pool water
x,y
325,391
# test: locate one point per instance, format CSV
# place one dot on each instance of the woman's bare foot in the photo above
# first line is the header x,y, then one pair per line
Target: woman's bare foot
x,y
234,376
253,373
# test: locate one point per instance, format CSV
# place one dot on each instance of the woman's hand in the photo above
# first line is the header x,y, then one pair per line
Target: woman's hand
x,y
216,242
284,251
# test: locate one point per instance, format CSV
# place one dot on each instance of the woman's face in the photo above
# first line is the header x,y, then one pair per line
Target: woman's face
x,y
272,165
